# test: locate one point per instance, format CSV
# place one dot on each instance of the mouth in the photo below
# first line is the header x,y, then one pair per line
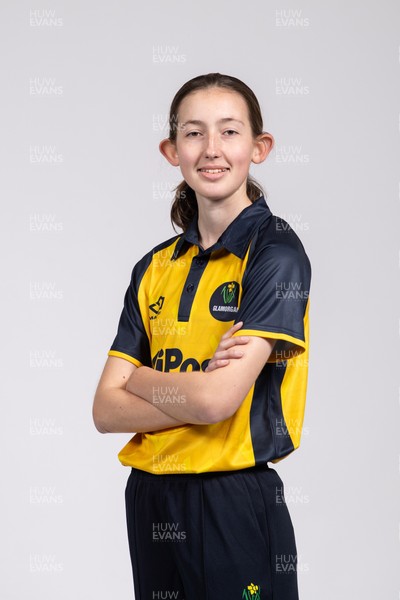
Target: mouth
x,y
213,170
213,174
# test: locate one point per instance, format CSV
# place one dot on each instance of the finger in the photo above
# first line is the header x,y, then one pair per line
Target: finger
x,y
230,353
232,330
216,364
229,343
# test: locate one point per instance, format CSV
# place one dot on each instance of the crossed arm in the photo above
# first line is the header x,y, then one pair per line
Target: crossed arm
x,y
128,398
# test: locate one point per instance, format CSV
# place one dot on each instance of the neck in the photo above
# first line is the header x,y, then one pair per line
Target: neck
x,y
216,215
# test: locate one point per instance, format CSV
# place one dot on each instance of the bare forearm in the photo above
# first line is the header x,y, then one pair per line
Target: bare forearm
x,y
120,411
179,395
203,397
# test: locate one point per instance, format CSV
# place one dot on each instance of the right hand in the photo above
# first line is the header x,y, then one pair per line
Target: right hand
x,y
227,348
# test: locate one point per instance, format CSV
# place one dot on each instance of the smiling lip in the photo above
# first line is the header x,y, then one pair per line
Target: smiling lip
x,y
213,169
213,174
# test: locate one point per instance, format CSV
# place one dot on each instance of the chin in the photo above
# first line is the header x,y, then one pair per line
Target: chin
x,y
215,196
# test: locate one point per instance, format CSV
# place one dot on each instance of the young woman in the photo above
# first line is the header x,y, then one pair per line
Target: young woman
x,y
209,367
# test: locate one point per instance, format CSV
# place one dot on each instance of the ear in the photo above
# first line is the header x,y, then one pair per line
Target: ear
x,y
168,150
262,147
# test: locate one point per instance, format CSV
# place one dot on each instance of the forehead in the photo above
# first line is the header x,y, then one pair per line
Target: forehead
x,y
213,104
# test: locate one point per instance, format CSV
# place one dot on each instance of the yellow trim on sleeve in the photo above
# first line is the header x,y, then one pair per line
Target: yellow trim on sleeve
x,y
273,335
135,361
299,344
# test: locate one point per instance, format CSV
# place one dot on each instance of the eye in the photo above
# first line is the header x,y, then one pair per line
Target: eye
x,y
192,133
230,131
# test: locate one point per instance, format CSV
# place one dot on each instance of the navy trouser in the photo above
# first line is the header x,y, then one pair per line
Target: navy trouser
x,y
208,536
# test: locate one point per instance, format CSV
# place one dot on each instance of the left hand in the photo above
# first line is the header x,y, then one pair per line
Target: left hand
x,y
227,348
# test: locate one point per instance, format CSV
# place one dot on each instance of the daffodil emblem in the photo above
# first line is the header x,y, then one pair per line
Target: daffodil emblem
x,y
228,292
252,592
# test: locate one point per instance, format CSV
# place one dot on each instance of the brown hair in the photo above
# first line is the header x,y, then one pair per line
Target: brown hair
x,y
184,205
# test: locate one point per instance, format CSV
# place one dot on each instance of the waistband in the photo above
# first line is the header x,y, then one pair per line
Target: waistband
x,y
204,475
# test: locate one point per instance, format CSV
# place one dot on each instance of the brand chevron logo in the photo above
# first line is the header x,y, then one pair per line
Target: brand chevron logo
x,y
156,307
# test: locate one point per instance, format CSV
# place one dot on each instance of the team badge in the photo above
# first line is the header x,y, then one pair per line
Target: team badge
x,y
252,592
224,301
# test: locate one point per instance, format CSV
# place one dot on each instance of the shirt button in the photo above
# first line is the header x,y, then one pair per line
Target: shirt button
x,y
190,287
200,261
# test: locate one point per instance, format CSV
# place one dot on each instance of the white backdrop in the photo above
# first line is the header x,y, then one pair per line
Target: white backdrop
x,y
86,88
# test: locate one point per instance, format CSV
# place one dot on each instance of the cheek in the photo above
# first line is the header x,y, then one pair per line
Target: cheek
x,y
241,157
186,156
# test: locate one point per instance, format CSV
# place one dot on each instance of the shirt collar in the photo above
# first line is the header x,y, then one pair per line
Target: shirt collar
x,y
236,236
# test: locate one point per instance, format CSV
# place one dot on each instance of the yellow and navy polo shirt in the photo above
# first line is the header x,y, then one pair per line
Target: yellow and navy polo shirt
x,y
180,301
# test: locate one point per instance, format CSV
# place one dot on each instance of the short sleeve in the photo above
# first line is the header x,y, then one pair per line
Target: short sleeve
x,y
131,341
275,297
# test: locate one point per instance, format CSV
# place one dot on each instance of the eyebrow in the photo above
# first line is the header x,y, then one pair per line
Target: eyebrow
x,y
224,120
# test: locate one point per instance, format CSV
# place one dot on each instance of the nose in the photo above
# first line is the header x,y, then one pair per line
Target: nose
x,y
212,146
